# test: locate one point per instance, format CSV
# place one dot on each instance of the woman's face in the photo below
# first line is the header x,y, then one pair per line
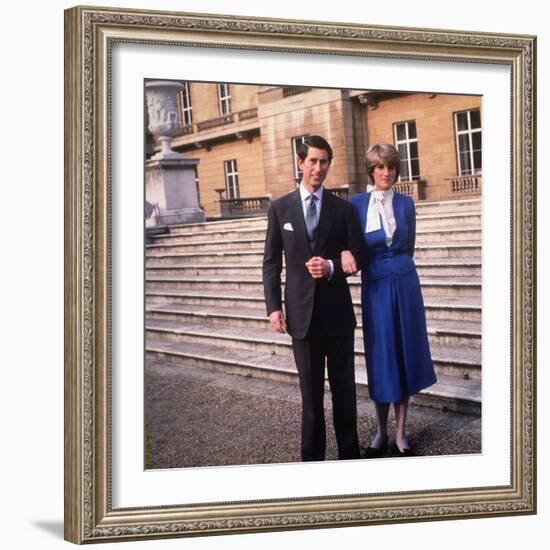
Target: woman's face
x,y
384,176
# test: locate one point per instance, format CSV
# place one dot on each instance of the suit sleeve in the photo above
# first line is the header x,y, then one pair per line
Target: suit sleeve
x,y
272,262
353,241
411,213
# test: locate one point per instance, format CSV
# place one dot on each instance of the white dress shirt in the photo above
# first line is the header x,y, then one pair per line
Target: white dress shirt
x,y
304,195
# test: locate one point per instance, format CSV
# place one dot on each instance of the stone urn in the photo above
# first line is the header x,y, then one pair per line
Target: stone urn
x,y
164,120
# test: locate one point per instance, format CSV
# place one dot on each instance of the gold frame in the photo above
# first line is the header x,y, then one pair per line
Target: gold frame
x,y
89,35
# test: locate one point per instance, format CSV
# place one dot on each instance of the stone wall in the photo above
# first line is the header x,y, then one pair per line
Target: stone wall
x,y
435,130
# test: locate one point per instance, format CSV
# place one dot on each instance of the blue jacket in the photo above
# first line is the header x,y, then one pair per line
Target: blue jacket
x,y
379,260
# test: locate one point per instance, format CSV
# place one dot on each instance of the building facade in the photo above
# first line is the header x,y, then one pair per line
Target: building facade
x,y
245,138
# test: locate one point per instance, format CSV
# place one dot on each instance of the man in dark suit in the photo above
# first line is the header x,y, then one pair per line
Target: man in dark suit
x,y
312,227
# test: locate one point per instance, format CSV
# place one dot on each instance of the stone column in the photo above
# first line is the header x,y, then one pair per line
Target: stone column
x,y
169,176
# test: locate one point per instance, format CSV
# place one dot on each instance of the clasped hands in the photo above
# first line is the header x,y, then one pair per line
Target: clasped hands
x,y
318,268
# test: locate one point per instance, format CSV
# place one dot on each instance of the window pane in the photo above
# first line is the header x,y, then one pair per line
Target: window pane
x,y
415,168
404,172
475,119
476,141
465,165
402,151
401,132
226,106
477,161
462,121
414,149
412,130
463,143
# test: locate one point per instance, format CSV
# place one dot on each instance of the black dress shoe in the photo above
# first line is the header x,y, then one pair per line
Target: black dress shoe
x,y
396,451
376,452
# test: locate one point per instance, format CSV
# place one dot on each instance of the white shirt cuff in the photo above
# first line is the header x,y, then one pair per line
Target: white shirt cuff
x,y
331,272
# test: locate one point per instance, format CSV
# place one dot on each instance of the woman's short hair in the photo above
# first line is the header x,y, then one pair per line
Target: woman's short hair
x,y
382,153
317,142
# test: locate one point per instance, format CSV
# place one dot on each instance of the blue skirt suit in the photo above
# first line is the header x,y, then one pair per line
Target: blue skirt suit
x,y
397,351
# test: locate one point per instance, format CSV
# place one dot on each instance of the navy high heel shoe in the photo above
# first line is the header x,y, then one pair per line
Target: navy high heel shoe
x,y
376,452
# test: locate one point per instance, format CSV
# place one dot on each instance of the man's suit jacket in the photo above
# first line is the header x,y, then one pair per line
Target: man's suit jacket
x,y
338,230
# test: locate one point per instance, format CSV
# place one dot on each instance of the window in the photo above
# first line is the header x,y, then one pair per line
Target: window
x,y
468,142
184,102
296,141
224,98
231,179
406,143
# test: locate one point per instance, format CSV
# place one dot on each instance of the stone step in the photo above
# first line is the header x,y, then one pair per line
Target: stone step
x,y
460,309
447,251
218,234
448,235
459,361
440,332
451,268
445,267
469,218
256,240
424,208
203,258
449,393
431,286
241,223
158,257
443,223
256,243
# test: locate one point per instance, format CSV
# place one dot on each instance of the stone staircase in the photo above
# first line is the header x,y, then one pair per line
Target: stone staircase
x,y
205,305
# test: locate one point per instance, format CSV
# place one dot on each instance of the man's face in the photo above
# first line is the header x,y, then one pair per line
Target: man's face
x,y
314,167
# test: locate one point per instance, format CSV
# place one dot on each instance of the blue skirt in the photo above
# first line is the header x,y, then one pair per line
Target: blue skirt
x,y
397,351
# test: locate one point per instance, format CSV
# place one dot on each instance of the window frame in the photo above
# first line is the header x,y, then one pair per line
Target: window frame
x,y
473,171
407,142
185,106
224,98
231,172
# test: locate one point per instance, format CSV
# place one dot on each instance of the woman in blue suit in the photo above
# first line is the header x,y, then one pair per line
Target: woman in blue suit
x,y
394,324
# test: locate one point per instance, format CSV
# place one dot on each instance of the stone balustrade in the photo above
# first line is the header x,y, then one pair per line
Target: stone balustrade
x,y
459,185
244,207
413,188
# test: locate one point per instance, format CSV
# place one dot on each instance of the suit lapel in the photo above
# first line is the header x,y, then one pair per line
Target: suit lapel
x,y
325,221
298,222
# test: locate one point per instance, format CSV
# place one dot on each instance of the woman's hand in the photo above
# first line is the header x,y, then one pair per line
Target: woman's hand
x,y
349,265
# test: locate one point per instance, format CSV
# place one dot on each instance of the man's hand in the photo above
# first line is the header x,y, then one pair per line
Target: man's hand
x,y
318,267
349,265
277,320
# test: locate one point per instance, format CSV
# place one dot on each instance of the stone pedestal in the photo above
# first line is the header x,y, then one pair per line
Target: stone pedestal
x,y
170,177
170,184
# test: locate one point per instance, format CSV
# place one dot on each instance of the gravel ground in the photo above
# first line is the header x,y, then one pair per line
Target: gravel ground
x,y
196,417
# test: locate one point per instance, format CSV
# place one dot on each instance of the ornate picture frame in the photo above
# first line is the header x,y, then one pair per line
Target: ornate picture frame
x,y
90,34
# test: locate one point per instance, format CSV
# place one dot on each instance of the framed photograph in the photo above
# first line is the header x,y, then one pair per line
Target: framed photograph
x,y
124,479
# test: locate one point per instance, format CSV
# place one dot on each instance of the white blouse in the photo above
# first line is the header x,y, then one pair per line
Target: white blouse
x,y
381,209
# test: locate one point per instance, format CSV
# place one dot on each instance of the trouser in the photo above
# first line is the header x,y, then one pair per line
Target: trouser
x,y
311,354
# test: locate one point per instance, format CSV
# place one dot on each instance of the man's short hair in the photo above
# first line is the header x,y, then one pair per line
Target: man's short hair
x,y
314,141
